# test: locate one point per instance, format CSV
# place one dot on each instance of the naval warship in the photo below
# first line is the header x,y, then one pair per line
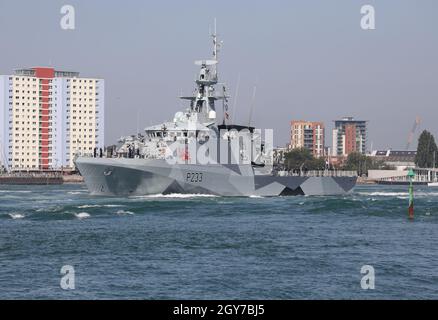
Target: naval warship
x,y
201,152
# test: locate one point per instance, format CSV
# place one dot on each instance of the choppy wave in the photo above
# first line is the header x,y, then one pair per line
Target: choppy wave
x,y
61,205
87,206
50,209
15,191
124,212
175,195
383,194
397,194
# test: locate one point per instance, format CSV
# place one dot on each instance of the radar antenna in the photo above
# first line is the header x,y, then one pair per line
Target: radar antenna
x,y
216,47
251,109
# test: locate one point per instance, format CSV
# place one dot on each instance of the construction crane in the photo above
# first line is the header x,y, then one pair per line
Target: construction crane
x,y
411,134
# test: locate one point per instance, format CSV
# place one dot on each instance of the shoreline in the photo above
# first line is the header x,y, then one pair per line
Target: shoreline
x,y
365,181
73,179
40,179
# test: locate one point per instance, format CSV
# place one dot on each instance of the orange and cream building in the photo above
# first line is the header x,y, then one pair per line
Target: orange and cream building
x,y
47,116
308,135
349,135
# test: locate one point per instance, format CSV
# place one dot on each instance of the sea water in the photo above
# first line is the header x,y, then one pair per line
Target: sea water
x,y
209,247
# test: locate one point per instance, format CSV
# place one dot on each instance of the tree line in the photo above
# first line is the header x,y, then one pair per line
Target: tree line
x,y
301,159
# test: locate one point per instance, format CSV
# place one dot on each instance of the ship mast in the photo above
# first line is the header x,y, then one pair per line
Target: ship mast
x,y
203,100
216,47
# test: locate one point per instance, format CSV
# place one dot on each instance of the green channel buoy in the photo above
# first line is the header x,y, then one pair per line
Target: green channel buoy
x,y
411,176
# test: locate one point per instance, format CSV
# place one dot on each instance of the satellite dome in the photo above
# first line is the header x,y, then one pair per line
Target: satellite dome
x,y
179,117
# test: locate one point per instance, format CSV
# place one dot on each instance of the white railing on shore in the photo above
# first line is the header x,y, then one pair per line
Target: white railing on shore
x,y
417,178
23,174
319,173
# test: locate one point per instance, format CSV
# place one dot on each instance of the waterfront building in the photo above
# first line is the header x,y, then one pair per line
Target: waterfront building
x,y
423,176
47,116
349,135
308,135
399,159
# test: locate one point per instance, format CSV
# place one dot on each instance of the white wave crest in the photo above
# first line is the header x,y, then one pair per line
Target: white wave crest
x,y
384,194
123,212
16,215
76,192
82,215
86,206
49,209
176,195
15,191
397,194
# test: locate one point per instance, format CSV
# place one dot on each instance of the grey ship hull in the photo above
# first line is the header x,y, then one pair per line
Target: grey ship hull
x,y
134,177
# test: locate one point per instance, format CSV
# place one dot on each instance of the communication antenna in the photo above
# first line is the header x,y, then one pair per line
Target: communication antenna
x,y
138,120
252,105
216,48
236,96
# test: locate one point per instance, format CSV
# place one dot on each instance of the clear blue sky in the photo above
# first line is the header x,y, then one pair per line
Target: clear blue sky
x,y
309,58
